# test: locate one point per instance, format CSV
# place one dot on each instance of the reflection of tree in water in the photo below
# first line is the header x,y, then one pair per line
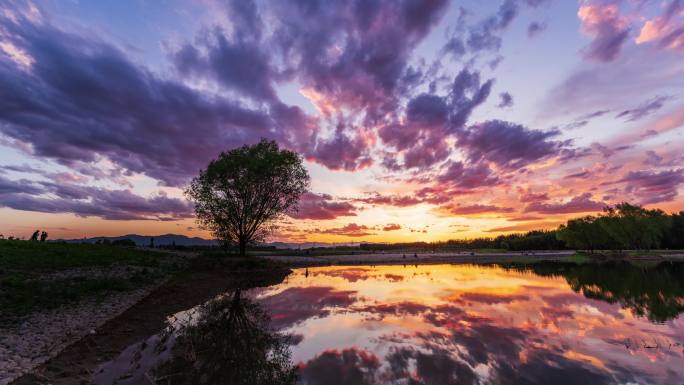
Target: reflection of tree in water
x,y
656,292
230,342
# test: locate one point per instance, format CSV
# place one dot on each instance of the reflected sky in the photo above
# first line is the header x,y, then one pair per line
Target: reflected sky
x,y
449,324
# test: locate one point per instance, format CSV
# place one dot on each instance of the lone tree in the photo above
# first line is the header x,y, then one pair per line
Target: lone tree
x,y
245,191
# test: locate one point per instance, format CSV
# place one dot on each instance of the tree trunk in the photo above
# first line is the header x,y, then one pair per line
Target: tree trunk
x,y
243,248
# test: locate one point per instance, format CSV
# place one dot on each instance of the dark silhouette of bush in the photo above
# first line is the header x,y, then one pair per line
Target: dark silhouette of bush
x,y
124,242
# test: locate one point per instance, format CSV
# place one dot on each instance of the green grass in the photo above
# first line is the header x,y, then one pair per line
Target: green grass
x,y
26,267
492,251
37,256
20,296
579,258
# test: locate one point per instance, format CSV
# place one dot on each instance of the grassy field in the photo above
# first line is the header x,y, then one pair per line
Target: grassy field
x,y
40,257
36,275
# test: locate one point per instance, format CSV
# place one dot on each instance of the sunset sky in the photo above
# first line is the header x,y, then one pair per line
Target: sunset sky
x,y
419,120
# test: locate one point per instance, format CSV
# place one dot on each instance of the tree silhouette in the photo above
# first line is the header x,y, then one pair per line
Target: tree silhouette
x,y
623,226
242,194
230,342
634,227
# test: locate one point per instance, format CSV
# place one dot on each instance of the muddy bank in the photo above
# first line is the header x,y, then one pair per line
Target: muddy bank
x,y
75,364
44,334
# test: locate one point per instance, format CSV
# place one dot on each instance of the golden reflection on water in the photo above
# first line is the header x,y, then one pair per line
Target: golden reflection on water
x,y
465,324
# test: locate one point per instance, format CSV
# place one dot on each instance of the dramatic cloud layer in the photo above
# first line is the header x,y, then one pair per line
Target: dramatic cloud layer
x,y
409,114
508,145
578,204
49,197
315,206
653,187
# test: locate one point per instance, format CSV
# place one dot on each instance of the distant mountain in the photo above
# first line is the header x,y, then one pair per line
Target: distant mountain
x,y
307,245
182,240
144,240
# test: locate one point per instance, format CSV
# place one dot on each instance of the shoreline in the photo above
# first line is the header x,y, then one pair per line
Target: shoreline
x,y
455,258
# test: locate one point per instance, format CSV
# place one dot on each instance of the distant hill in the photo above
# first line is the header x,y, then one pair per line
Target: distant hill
x,y
182,240
144,240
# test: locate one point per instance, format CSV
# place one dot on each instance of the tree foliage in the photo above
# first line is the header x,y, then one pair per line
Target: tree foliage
x,y
244,192
623,227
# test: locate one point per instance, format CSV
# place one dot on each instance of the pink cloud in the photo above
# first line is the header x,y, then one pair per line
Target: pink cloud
x,y
322,206
458,209
349,230
392,227
667,29
578,204
608,29
524,227
653,187
391,200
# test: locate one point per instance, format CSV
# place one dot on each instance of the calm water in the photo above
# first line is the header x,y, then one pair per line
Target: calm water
x,y
430,324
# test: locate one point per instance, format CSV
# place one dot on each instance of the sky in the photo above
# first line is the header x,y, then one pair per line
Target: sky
x,y
418,120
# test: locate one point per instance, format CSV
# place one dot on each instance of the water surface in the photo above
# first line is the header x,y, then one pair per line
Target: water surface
x,y
431,324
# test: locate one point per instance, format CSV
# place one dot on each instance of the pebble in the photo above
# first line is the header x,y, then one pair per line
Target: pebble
x,y
43,335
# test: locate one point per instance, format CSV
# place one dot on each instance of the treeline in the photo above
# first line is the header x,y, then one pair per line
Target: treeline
x,y
532,240
624,227
620,227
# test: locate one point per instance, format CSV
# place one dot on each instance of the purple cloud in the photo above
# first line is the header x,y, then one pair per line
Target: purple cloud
x,y
322,206
653,187
391,200
372,41
535,29
608,29
506,144
467,93
430,120
86,201
237,65
644,109
578,204
468,177
349,230
426,117
506,100
485,35
458,209
83,100
342,151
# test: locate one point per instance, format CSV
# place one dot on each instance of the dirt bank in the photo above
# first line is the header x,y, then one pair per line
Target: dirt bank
x,y
75,364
